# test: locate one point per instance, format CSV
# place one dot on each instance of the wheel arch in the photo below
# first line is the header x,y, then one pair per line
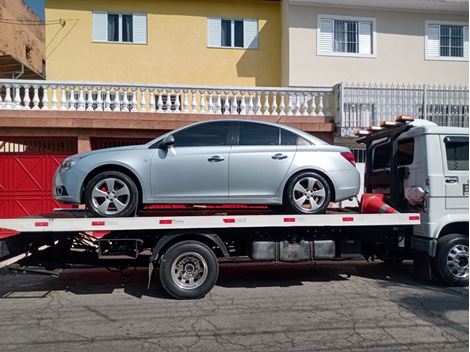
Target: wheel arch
x,y
208,238
460,227
320,172
112,167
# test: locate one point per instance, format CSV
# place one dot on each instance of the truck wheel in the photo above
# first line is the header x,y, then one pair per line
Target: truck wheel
x,y
451,262
111,194
308,193
189,270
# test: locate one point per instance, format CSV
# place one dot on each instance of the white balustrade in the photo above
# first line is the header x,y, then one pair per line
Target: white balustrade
x,y
104,97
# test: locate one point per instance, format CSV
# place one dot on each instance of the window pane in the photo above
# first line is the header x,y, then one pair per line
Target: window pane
x,y
127,28
405,152
113,28
238,34
288,137
258,134
381,157
346,36
226,39
457,156
207,134
451,41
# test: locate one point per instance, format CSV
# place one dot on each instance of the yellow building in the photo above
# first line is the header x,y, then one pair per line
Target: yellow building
x,y
209,42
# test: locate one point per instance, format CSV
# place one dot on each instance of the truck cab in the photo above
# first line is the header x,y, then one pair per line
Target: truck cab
x,y
422,167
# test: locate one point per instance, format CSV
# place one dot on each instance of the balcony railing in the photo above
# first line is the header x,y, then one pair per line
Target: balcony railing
x,y
117,97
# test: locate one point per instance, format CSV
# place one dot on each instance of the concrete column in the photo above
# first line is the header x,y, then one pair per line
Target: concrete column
x,y
83,143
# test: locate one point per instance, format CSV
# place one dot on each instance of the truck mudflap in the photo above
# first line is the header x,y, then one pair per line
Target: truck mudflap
x,y
425,245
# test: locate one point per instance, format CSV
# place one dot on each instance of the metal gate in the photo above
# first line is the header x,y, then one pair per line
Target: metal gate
x,y
27,167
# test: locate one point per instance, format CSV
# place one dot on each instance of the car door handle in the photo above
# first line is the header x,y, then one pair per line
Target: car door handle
x,y
215,159
279,156
452,179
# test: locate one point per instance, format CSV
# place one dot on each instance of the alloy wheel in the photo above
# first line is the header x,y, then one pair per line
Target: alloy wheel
x,y
110,196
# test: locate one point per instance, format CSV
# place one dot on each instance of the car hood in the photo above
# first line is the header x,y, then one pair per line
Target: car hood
x,y
100,151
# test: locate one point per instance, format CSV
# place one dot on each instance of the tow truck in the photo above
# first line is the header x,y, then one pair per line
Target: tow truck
x,y
415,207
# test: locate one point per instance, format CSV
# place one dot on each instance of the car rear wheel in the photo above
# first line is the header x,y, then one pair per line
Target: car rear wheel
x,y
111,194
308,193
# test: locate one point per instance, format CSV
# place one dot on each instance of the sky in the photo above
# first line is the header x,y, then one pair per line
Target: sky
x,y
37,6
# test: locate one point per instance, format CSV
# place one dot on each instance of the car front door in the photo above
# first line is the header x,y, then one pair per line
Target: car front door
x,y
259,160
195,168
455,151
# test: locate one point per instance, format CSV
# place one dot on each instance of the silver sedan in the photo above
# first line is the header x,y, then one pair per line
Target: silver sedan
x,y
213,162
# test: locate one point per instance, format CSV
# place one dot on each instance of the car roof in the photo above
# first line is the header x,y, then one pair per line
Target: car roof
x,y
309,137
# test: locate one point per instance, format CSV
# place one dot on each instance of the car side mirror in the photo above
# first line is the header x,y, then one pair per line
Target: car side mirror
x,y
167,142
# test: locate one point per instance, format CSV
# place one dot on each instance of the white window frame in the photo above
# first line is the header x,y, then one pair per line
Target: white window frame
x,y
120,14
232,33
442,58
348,18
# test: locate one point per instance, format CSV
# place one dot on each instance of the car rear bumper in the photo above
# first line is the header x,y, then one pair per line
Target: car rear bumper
x,y
347,184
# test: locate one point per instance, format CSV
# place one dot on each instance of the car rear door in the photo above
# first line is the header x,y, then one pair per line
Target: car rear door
x,y
455,158
258,160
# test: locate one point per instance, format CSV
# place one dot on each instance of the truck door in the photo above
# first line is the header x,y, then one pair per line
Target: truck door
x,y
455,159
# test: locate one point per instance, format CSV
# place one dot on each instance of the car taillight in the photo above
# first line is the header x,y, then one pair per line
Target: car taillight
x,y
349,157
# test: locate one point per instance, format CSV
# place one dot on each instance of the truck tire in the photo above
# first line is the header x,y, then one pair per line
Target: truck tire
x,y
111,194
451,262
189,270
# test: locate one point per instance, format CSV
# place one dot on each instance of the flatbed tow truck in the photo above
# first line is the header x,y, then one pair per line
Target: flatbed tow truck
x,y
407,165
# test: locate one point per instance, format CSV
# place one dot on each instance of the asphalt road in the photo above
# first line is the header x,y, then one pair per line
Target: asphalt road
x,y
354,306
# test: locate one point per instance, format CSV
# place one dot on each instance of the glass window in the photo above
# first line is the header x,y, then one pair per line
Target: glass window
x,y
207,134
127,28
457,154
231,33
258,134
226,39
405,152
288,137
113,27
120,28
346,37
238,34
381,157
451,41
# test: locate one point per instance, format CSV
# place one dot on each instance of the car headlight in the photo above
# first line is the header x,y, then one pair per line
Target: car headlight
x,y
67,164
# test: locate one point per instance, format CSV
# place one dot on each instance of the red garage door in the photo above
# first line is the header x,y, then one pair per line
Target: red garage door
x,y
27,167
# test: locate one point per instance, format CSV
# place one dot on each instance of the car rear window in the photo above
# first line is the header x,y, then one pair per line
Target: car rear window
x,y
258,134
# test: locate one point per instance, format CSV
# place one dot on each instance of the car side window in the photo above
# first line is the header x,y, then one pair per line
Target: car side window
x,y
258,134
288,137
204,135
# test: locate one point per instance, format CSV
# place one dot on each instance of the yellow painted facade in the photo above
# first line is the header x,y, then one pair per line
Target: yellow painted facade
x,y
176,51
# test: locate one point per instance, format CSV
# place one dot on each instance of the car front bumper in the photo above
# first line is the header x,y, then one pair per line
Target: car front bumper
x,y
70,181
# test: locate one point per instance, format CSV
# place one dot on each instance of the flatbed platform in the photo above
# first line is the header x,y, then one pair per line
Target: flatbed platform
x,y
78,220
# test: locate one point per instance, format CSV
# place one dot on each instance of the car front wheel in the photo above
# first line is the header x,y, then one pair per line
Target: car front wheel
x,y
111,194
308,193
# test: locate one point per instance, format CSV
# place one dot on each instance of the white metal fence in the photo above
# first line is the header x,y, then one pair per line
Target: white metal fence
x,y
362,105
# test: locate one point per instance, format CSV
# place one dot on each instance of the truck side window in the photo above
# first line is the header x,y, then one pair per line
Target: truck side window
x,y
405,152
457,153
381,157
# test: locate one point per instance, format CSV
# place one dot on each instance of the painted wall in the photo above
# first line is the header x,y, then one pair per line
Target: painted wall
x,y
14,38
400,50
177,44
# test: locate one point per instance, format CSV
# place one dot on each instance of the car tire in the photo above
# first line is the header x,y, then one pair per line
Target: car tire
x,y
307,193
451,262
111,194
189,270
